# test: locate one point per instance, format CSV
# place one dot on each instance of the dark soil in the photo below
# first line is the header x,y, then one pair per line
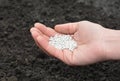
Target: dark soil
x,y
20,58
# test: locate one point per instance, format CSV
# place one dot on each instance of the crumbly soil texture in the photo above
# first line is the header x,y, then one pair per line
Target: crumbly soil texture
x,y
22,60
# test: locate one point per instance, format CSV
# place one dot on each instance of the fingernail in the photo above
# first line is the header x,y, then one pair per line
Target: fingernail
x,y
39,25
34,32
36,24
33,29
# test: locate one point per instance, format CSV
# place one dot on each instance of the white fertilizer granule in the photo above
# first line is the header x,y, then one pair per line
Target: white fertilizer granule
x,y
63,42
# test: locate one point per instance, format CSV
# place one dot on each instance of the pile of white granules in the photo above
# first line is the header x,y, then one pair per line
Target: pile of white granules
x,y
63,42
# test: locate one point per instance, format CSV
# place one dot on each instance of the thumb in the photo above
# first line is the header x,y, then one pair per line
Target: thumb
x,y
68,28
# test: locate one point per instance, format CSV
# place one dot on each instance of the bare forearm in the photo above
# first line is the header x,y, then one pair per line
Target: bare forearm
x,y
112,40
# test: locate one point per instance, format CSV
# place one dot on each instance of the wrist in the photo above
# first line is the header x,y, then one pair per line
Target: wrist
x,y
112,44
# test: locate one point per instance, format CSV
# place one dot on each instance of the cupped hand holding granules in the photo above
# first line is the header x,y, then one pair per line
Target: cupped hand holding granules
x,y
86,42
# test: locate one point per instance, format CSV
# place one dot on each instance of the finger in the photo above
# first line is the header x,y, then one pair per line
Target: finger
x,y
35,33
69,28
45,30
50,49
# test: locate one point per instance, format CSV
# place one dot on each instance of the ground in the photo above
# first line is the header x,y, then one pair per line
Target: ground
x,y
22,60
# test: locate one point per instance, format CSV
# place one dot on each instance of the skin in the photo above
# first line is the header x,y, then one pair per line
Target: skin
x,y
95,43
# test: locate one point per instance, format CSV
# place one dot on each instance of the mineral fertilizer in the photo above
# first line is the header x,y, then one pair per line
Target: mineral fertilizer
x,y
63,42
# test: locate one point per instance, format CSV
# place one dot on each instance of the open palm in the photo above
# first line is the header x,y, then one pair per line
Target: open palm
x,y
88,35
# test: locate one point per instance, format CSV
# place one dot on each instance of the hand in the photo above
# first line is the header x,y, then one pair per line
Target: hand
x,y
89,37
